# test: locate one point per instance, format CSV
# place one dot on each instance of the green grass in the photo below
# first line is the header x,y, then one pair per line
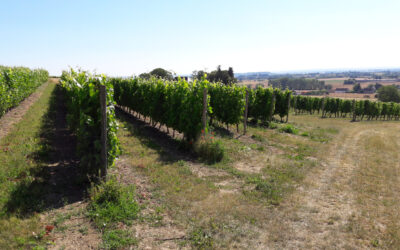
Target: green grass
x,y
288,128
22,179
111,203
118,239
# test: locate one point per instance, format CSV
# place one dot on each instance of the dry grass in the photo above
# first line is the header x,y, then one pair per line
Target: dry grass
x,y
376,188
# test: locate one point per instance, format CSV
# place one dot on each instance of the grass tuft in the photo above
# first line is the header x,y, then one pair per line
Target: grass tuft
x,y
118,239
288,128
211,151
111,203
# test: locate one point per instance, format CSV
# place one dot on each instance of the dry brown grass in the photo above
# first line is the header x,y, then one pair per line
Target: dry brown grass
x,y
376,188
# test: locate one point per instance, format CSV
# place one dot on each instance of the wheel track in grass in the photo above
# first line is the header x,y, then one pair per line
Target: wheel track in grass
x,y
317,215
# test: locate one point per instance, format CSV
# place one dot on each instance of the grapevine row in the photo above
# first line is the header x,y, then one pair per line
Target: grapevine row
x,y
17,83
179,104
84,118
358,109
175,104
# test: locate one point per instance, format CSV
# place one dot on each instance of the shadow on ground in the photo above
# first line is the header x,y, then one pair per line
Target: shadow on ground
x,y
54,183
168,148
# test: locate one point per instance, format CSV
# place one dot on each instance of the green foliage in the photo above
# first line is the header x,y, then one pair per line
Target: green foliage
x,y
388,94
261,104
111,203
158,73
342,107
118,239
176,104
282,99
225,76
17,83
227,102
289,128
84,117
357,88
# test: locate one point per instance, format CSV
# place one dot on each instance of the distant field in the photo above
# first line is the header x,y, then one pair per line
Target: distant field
x,y
254,84
338,82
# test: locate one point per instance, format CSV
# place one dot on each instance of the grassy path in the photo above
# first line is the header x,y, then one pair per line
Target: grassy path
x,y
14,115
38,178
352,201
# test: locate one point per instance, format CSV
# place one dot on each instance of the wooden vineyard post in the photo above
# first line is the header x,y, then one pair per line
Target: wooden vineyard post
x,y
295,105
246,109
288,109
271,111
354,111
323,106
204,117
103,105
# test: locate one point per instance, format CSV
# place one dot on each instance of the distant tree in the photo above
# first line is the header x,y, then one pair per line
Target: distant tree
x,y
145,75
357,88
370,88
162,73
198,74
350,81
230,72
378,86
388,94
224,76
298,84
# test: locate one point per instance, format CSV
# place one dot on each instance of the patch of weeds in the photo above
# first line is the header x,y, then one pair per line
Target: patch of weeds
x,y
258,138
83,230
62,228
60,219
266,188
260,148
288,128
305,134
111,203
322,135
117,239
272,125
257,147
375,243
184,169
155,218
210,150
201,238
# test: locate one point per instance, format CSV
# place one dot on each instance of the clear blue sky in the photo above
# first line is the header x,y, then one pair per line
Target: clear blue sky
x,y
130,37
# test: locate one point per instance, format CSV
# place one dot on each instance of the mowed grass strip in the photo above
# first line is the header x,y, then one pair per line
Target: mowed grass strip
x,y
376,183
19,224
224,204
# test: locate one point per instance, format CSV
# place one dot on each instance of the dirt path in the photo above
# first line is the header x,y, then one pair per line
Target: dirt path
x,y
325,205
14,115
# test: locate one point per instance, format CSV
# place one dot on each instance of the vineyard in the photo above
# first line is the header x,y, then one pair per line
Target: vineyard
x,y
178,105
357,109
17,83
159,149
